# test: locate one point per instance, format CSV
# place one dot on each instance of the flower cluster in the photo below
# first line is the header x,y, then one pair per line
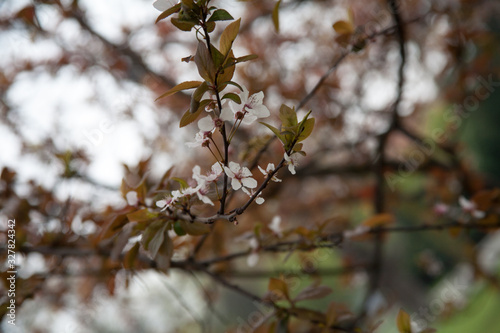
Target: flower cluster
x,y
468,209
201,189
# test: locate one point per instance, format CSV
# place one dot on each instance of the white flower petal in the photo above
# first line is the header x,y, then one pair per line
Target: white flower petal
x,y
261,111
206,124
132,199
161,203
216,169
249,119
236,184
235,167
249,182
229,172
205,199
245,172
256,99
226,114
259,200
162,5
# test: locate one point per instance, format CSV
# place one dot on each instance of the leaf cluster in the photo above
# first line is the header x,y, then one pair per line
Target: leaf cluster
x,y
291,131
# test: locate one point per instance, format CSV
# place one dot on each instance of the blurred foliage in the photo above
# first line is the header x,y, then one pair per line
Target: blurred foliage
x,y
395,192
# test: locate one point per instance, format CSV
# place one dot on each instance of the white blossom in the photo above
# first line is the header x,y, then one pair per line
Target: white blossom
x,y
275,226
208,124
204,181
291,161
258,199
253,258
270,168
470,207
202,139
250,109
240,177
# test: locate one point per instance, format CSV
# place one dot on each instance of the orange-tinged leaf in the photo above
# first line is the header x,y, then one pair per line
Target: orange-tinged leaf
x,y
403,322
188,117
246,58
168,12
379,220
204,63
279,288
313,292
343,27
181,86
228,36
485,199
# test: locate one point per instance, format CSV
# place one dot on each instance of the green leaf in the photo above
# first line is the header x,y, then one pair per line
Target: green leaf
x,y
228,36
288,117
196,97
178,229
403,322
142,215
168,12
220,15
246,58
189,117
275,131
182,24
217,57
195,228
234,84
153,236
204,62
210,26
181,86
232,96
276,16
306,129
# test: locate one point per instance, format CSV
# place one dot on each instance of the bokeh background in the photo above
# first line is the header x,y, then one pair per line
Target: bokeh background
x,y
78,83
